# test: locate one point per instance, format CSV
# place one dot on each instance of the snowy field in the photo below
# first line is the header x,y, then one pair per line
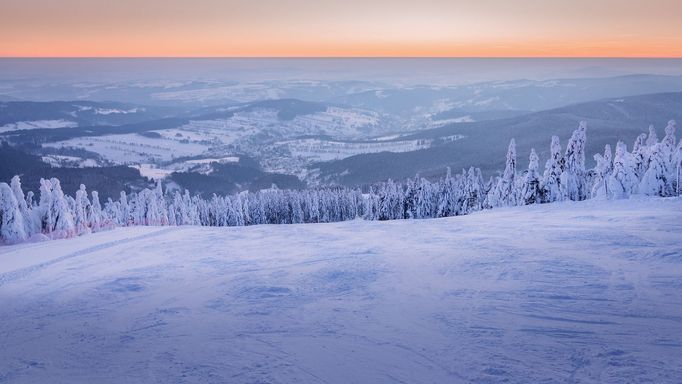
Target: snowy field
x,y
325,150
133,148
38,124
573,292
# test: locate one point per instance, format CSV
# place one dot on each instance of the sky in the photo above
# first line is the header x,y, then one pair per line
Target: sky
x,y
348,28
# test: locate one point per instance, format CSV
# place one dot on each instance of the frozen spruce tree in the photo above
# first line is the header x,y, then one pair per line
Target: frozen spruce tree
x,y
639,155
608,158
600,187
30,226
111,212
530,189
409,209
447,196
43,213
652,139
96,220
151,209
425,202
601,173
30,202
12,229
295,208
669,140
123,213
504,194
669,149
171,215
161,204
62,225
623,179
181,210
655,179
678,169
82,210
480,186
371,206
573,183
551,179
473,191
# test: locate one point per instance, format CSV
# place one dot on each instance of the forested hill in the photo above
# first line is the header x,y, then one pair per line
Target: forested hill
x,y
485,142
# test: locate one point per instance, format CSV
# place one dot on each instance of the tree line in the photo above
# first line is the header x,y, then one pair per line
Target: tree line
x,y
653,168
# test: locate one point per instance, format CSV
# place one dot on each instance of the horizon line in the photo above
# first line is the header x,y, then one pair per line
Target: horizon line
x,y
341,57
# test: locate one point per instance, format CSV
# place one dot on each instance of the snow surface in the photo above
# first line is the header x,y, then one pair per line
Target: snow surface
x,y
570,292
133,148
151,171
38,124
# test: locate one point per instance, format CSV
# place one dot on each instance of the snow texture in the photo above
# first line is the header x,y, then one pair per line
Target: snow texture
x,y
569,292
38,124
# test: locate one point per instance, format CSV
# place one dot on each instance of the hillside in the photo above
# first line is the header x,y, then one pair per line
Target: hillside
x,y
483,144
569,292
70,114
513,95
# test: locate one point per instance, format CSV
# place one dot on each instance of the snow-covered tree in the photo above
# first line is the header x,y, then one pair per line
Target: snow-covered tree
x,y
504,194
623,180
30,202
678,169
530,189
573,182
83,208
608,158
96,219
162,213
426,200
12,228
601,173
669,140
639,155
297,216
371,205
551,179
409,210
43,213
655,179
446,200
600,186
123,213
30,227
652,139
171,215
668,143
472,191
62,224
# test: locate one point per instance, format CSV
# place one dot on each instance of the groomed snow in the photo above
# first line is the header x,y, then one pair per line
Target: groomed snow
x,y
571,292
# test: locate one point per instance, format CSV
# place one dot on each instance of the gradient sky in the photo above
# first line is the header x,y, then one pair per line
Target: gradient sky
x,y
268,28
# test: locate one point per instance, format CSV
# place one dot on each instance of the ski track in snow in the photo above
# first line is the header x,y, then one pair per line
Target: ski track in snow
x,y
569,293
20,273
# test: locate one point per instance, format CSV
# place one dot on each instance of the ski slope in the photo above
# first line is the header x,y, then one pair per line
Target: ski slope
x,y
585,292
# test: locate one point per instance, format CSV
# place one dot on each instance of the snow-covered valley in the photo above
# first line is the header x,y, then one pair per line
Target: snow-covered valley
x,y
567,292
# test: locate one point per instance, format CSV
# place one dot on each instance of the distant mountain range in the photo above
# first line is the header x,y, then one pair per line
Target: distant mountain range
x,y
61,120
425,128
484,143
78,113
518,95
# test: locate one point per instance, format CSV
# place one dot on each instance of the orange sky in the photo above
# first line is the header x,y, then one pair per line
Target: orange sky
x,y
451,28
